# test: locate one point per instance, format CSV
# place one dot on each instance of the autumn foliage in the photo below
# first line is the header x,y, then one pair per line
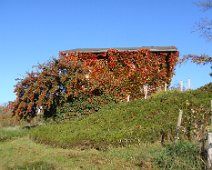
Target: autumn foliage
x,y
76,74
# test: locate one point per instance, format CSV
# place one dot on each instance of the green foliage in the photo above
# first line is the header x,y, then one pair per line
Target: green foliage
x,y
207,87
133,122
182,155
83,106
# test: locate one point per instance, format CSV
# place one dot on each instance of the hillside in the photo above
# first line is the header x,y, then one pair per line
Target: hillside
x,y
119,136
133,122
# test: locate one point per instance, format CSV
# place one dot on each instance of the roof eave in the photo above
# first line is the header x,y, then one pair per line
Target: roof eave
x,y
102,50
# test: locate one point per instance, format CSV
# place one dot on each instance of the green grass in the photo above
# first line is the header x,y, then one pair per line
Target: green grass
x,y
119,136
23,153
182,155
11,133
34,166
130,123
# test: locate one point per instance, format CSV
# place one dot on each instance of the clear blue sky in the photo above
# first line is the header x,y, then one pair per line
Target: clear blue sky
x,y
32,31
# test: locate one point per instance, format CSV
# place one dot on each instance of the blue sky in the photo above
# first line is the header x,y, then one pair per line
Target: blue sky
x,y
32,31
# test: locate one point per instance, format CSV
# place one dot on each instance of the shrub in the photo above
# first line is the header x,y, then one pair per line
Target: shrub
x,y
83,106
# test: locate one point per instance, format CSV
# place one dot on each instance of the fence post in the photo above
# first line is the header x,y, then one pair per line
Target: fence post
x,y
165,87
178,125
209,149
128,98
145,91
181,85
189,84
211,112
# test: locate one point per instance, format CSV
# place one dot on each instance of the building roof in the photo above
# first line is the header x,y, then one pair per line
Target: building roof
x,y
100,50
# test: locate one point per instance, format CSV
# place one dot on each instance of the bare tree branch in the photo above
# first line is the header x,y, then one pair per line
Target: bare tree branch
x,y
198,59
204,26
205,4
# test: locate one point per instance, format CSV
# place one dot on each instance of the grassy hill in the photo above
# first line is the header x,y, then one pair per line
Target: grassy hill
x,y
133,122
119,136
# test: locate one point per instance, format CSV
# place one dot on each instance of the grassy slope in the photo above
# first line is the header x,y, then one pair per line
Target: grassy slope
x,y
19,152
133,122
23,153
136,121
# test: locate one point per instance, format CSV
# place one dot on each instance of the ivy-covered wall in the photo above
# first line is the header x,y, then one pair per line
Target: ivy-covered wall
x,y
79,75
125,72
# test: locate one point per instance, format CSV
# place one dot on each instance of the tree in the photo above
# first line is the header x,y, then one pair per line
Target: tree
x,y
204,26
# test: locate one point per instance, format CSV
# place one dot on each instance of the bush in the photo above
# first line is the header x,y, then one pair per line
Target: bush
x,y
83,106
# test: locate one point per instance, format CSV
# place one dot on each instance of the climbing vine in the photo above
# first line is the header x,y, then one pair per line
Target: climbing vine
x,y
75,74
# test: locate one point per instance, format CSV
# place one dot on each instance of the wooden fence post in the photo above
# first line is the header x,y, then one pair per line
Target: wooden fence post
x,y
178,125
189,84
165,87
181,85
145,91
128,98
211,112
209,149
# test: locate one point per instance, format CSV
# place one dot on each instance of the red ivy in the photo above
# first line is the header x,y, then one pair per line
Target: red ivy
x,y
118,73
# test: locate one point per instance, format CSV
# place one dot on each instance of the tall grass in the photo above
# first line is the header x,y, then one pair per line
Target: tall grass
x,y
11,133
182,155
